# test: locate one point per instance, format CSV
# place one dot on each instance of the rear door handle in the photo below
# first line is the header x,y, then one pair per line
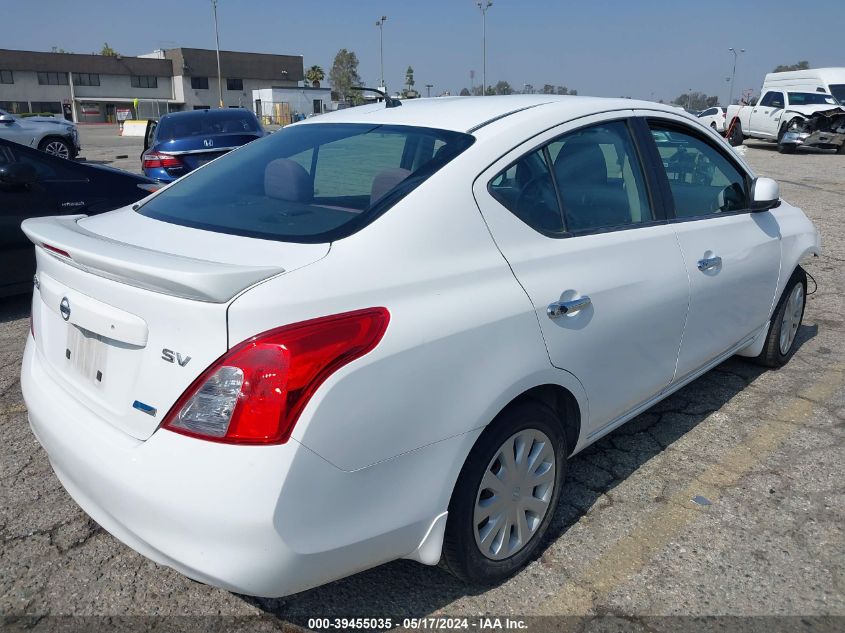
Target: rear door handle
x,y
565,308
709,263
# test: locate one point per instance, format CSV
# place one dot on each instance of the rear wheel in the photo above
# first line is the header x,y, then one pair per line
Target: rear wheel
x,y
735,138
789,312
55,146
506,494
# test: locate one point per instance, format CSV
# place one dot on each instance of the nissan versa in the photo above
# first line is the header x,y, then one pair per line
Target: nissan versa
x,y
382,333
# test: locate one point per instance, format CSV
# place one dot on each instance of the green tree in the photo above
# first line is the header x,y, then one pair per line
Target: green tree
x,y
314,76
108,51
802,65
562,90
344,75
464,92
695,101
548,89
409,78
502,88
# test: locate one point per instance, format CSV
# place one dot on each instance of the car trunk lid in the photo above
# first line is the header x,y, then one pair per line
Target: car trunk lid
x,y
128,310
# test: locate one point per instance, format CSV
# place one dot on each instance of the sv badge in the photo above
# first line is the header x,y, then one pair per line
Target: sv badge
x,y
174,357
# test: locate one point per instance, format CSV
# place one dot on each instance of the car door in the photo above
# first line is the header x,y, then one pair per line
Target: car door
x,y
47,196
573,215
13,130
732,255
765,116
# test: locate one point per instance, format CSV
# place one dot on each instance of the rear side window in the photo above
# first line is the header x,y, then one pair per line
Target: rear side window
x,y
308,183
527,190
207,123
702,179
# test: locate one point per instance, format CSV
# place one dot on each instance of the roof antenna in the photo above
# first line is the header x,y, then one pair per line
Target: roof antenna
x,y
389,102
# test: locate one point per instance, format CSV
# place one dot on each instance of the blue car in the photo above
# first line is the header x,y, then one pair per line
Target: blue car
x,y
182,141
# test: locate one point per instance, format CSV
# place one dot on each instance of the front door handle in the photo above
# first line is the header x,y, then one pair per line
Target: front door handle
x,y
709,263
565,308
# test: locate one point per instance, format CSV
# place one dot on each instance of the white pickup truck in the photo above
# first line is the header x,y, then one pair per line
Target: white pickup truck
x,y
777,110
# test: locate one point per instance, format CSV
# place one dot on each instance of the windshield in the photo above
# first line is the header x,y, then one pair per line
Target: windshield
x,y
206,123
307,183
810,98
838,91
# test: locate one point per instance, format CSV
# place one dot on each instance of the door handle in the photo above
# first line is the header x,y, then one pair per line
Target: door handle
x,y
709,263
565,308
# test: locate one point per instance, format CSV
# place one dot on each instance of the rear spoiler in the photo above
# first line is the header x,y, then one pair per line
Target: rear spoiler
x,y
62,237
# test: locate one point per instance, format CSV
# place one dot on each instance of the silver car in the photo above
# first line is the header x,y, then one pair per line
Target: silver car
x,y
53,135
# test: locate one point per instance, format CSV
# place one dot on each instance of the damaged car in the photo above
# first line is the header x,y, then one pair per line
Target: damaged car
x,y
824,130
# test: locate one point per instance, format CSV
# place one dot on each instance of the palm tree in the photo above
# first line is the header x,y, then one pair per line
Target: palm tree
x,y
315,75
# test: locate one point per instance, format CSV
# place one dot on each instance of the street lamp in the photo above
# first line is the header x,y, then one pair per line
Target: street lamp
x,y
733,72
689,100
484,5
428,88
217,40
380,25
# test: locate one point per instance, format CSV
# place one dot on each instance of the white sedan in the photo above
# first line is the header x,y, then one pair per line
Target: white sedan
x,y
714,117
383,332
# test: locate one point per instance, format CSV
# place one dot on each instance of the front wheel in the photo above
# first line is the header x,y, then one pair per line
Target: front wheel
x,y
789,312
506,494
55,146
735,138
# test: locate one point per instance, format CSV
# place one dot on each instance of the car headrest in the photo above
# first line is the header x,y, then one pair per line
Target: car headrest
x,y
580,163
285,179
385,181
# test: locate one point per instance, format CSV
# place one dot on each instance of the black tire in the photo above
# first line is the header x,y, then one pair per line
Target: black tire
x,y
56,146
787,148
772,354
841,149
462,556
736,138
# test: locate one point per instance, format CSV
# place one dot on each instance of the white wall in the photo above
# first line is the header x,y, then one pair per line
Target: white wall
x,y
210,96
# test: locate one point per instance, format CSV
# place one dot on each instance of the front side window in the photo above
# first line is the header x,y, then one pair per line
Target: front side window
x,y
702,179
307,183
234,84
772,100
811,98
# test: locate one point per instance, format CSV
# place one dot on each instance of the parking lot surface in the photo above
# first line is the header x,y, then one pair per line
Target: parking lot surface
x,y
761,450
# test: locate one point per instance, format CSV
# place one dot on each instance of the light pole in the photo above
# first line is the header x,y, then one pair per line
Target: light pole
x,y
484,5
733,72
380,25
217,40
689,100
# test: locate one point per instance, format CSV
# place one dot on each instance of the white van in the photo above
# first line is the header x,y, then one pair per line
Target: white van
x,y
827,80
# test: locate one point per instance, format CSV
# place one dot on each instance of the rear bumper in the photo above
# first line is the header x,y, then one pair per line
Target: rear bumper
x,y
267,521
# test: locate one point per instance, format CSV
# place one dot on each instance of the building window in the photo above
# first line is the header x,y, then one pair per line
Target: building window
x,y
199,83
144,81
6,77
202,107
234,84
86,79
52,79
15,107
51,107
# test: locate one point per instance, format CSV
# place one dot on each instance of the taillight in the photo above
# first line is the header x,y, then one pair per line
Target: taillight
x,y
156,159
57,251
255,392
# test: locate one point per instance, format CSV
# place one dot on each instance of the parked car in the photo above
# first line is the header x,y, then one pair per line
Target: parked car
x,y
778,110
52,135
34,184
826,80
183,141
382,333
713,117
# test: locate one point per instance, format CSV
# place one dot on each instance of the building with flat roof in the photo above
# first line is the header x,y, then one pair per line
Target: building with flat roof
x,y
98,88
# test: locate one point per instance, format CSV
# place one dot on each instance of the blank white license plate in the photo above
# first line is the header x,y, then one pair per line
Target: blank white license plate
x,y
87,354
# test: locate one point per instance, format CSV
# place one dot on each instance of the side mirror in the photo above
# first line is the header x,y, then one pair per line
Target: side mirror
x,y
7,119
765,194
18,174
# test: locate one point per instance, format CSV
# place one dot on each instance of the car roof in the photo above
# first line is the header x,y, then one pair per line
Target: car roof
x,y
467,114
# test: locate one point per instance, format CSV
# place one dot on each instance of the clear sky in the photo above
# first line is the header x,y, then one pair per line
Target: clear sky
x,y
639,48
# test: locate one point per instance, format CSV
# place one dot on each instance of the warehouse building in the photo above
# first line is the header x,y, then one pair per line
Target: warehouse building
x,y
98,88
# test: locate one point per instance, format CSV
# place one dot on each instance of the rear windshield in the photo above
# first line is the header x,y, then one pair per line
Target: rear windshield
x,y
307,183
206,123
810,98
